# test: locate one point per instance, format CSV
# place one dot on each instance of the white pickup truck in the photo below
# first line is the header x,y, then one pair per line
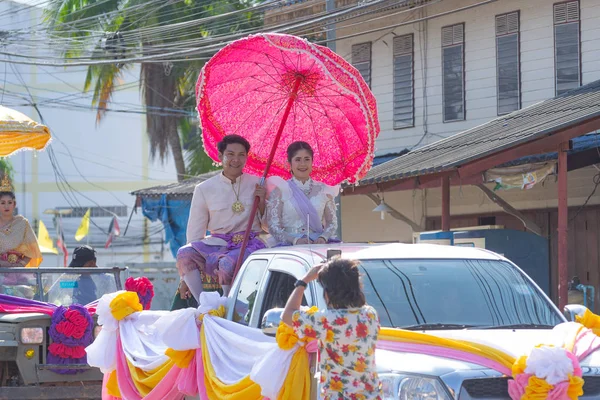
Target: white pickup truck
x,y
456,292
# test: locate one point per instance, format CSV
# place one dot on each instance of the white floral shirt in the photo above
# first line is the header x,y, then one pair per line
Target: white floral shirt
x,y
347,340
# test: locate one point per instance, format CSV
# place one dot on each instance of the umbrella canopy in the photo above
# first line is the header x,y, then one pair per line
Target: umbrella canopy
x,y
17,132
274,89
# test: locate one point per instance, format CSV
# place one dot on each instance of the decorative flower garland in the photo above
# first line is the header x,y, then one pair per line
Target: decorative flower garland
x,y
143,287
547,373
71,332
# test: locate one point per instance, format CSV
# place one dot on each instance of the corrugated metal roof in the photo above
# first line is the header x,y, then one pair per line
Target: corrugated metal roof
x,y
581,143
568,109
184,188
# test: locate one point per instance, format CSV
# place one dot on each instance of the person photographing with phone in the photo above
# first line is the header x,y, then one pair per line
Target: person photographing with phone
x,y
346,331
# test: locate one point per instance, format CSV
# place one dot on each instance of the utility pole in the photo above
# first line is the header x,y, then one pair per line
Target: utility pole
x,y
330,25
57,221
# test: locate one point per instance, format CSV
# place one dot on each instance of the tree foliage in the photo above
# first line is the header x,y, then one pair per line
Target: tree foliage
x,y
142,27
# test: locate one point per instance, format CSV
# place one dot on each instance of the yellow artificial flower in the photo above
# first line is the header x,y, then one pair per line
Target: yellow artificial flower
x,y
125,304
575,387
286,337
537,389
352,348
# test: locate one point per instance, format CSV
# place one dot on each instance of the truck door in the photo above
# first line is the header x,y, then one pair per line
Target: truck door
x,y
246,292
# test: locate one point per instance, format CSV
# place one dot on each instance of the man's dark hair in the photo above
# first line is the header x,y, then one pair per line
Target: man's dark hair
x,y
295,147
231,139
340,279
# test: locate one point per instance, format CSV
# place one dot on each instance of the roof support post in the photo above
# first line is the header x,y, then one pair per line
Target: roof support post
x,y
563,221
445,203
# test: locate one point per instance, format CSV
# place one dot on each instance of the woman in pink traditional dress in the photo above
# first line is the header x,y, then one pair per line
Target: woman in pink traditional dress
x,y
301,210
18,243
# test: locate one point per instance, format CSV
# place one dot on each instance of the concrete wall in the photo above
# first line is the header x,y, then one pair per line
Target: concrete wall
x,y
537,61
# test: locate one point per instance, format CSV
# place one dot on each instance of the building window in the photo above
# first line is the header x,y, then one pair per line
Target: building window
x,y
107,211
453,72
567,54
361,60
403,82
508,63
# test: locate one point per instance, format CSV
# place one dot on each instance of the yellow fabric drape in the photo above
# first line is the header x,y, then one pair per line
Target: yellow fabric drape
x,y
112,385
399,335
219,312
125,304
181,358
245,389
298,380
590,321
145,381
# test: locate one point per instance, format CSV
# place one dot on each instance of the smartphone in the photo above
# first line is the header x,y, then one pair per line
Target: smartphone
x,y
331,253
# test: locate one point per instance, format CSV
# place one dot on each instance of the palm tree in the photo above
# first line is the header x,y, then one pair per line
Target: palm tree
x,y
141,27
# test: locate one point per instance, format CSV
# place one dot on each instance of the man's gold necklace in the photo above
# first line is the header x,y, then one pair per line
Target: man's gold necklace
x,y
237,207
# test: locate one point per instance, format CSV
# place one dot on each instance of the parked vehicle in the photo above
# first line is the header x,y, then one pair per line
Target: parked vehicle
x,y
454,292
24,338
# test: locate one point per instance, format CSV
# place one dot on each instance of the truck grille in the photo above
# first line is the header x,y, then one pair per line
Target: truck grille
x,y
498,387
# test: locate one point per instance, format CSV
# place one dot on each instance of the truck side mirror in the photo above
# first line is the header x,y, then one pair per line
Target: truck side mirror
x,y
270,321
572,310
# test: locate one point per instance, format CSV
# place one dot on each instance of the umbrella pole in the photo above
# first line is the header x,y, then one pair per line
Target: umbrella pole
x,y
286,113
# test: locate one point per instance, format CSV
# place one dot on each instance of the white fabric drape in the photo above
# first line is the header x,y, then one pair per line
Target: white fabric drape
x,y
143,346
236,351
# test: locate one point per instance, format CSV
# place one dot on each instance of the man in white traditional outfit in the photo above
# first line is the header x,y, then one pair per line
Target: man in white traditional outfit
x,y
221,205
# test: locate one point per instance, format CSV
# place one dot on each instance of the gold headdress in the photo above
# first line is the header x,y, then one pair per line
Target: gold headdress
x,y
5,185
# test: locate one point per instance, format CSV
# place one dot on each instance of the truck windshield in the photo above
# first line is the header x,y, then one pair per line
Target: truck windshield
x,y
19,284
64,289
454,294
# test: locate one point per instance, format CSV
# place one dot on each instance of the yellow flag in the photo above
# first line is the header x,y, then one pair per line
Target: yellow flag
x,y
84,227
44,240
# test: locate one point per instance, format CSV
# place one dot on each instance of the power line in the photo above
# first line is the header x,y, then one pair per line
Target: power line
x,y
212,44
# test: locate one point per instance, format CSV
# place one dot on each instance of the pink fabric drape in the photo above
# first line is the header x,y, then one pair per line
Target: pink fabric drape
x,y
175,385
442,352
190,381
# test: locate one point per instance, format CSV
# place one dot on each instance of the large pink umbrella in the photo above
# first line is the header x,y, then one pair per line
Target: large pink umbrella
x,y
275,89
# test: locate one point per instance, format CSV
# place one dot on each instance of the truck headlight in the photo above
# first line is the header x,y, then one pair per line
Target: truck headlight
x,y
32,335
397,386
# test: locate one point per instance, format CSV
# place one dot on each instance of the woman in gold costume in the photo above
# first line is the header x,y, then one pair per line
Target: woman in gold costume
x,y
18,243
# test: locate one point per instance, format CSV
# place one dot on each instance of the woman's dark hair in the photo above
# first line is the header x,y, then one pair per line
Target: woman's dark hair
x,y
231,139
340,279
10,194
296,147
